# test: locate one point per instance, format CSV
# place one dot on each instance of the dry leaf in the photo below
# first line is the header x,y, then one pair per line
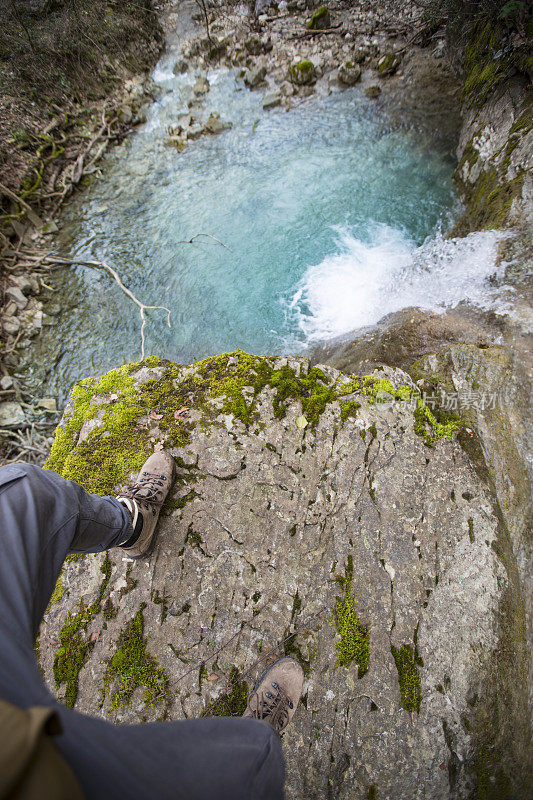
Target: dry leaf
x,y
212,677
113,397
94,636
158,446
153,415
302,422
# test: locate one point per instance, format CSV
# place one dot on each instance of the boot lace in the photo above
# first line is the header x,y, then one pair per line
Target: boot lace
x,y
272,707
146,491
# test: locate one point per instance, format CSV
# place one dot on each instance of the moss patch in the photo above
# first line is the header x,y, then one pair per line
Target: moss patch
x,y
320,19
408,677
429,428
354,642
75,646
132,666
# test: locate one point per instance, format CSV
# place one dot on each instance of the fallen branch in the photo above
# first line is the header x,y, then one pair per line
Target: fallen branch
x,y
65,262
33,217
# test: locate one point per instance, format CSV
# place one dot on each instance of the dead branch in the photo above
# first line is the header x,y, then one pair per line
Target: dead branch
x,y
65,262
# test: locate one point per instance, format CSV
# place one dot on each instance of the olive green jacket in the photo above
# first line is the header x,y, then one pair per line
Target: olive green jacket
x,y
31,767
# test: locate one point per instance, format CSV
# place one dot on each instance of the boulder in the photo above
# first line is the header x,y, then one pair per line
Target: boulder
x,y
303,73
254,76
373,91
349,73
320,20
10,325
388,64
318,515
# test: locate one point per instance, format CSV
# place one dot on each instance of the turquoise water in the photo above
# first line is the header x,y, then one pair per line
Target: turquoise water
x,y
321,209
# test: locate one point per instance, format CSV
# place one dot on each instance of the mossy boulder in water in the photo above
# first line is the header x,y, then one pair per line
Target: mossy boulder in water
x,y
303,73
349,73
310,519
388,64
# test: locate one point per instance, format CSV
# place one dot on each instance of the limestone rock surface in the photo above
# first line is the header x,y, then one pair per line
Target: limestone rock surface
x,y
311,520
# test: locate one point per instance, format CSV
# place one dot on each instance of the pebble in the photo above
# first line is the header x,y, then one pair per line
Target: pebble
x,y
6,382
48,403
14,293
11,415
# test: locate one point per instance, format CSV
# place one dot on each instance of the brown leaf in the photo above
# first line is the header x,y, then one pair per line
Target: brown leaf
x,y
212,677
158,446
94,636
153,415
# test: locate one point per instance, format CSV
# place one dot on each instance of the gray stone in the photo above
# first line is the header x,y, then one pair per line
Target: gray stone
x,y
6,382
275,526
272,99
47,403
26,283
349,73
216,125
11,415
11,325
303,73
254,76
14,294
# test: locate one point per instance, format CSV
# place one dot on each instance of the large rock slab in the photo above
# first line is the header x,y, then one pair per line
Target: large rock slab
x,y
320,515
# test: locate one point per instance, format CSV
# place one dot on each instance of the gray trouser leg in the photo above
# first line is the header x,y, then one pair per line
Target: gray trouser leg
x,y
42,518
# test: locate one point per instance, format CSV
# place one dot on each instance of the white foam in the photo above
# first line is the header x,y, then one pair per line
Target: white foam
x,y
365,280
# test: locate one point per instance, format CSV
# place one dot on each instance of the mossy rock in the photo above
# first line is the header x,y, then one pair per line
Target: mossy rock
x,y
388,64
303,73
320,20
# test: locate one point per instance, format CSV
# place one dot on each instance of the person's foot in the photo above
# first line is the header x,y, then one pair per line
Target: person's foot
x,y
144,499
277,694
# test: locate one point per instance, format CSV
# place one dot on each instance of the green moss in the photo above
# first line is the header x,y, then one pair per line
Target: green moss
x,y
429,428
348,409
232,703
471,529
319,18
75,646
303,72
354,642
132,666
408,677
371,386
59,591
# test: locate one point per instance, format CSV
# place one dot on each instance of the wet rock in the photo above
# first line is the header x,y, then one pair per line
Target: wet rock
x,y
272,99
255,76
349,73
201,87
14,294
373,91
388,64
383,553
303,73
181,66
6,382
320,20
11,415
195,131
47,403
215,125
49,227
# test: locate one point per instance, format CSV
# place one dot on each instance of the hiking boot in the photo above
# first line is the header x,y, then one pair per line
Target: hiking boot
x,y
276,694
144,500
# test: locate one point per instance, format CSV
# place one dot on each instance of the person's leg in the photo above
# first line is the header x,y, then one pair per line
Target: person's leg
x,y
44,517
